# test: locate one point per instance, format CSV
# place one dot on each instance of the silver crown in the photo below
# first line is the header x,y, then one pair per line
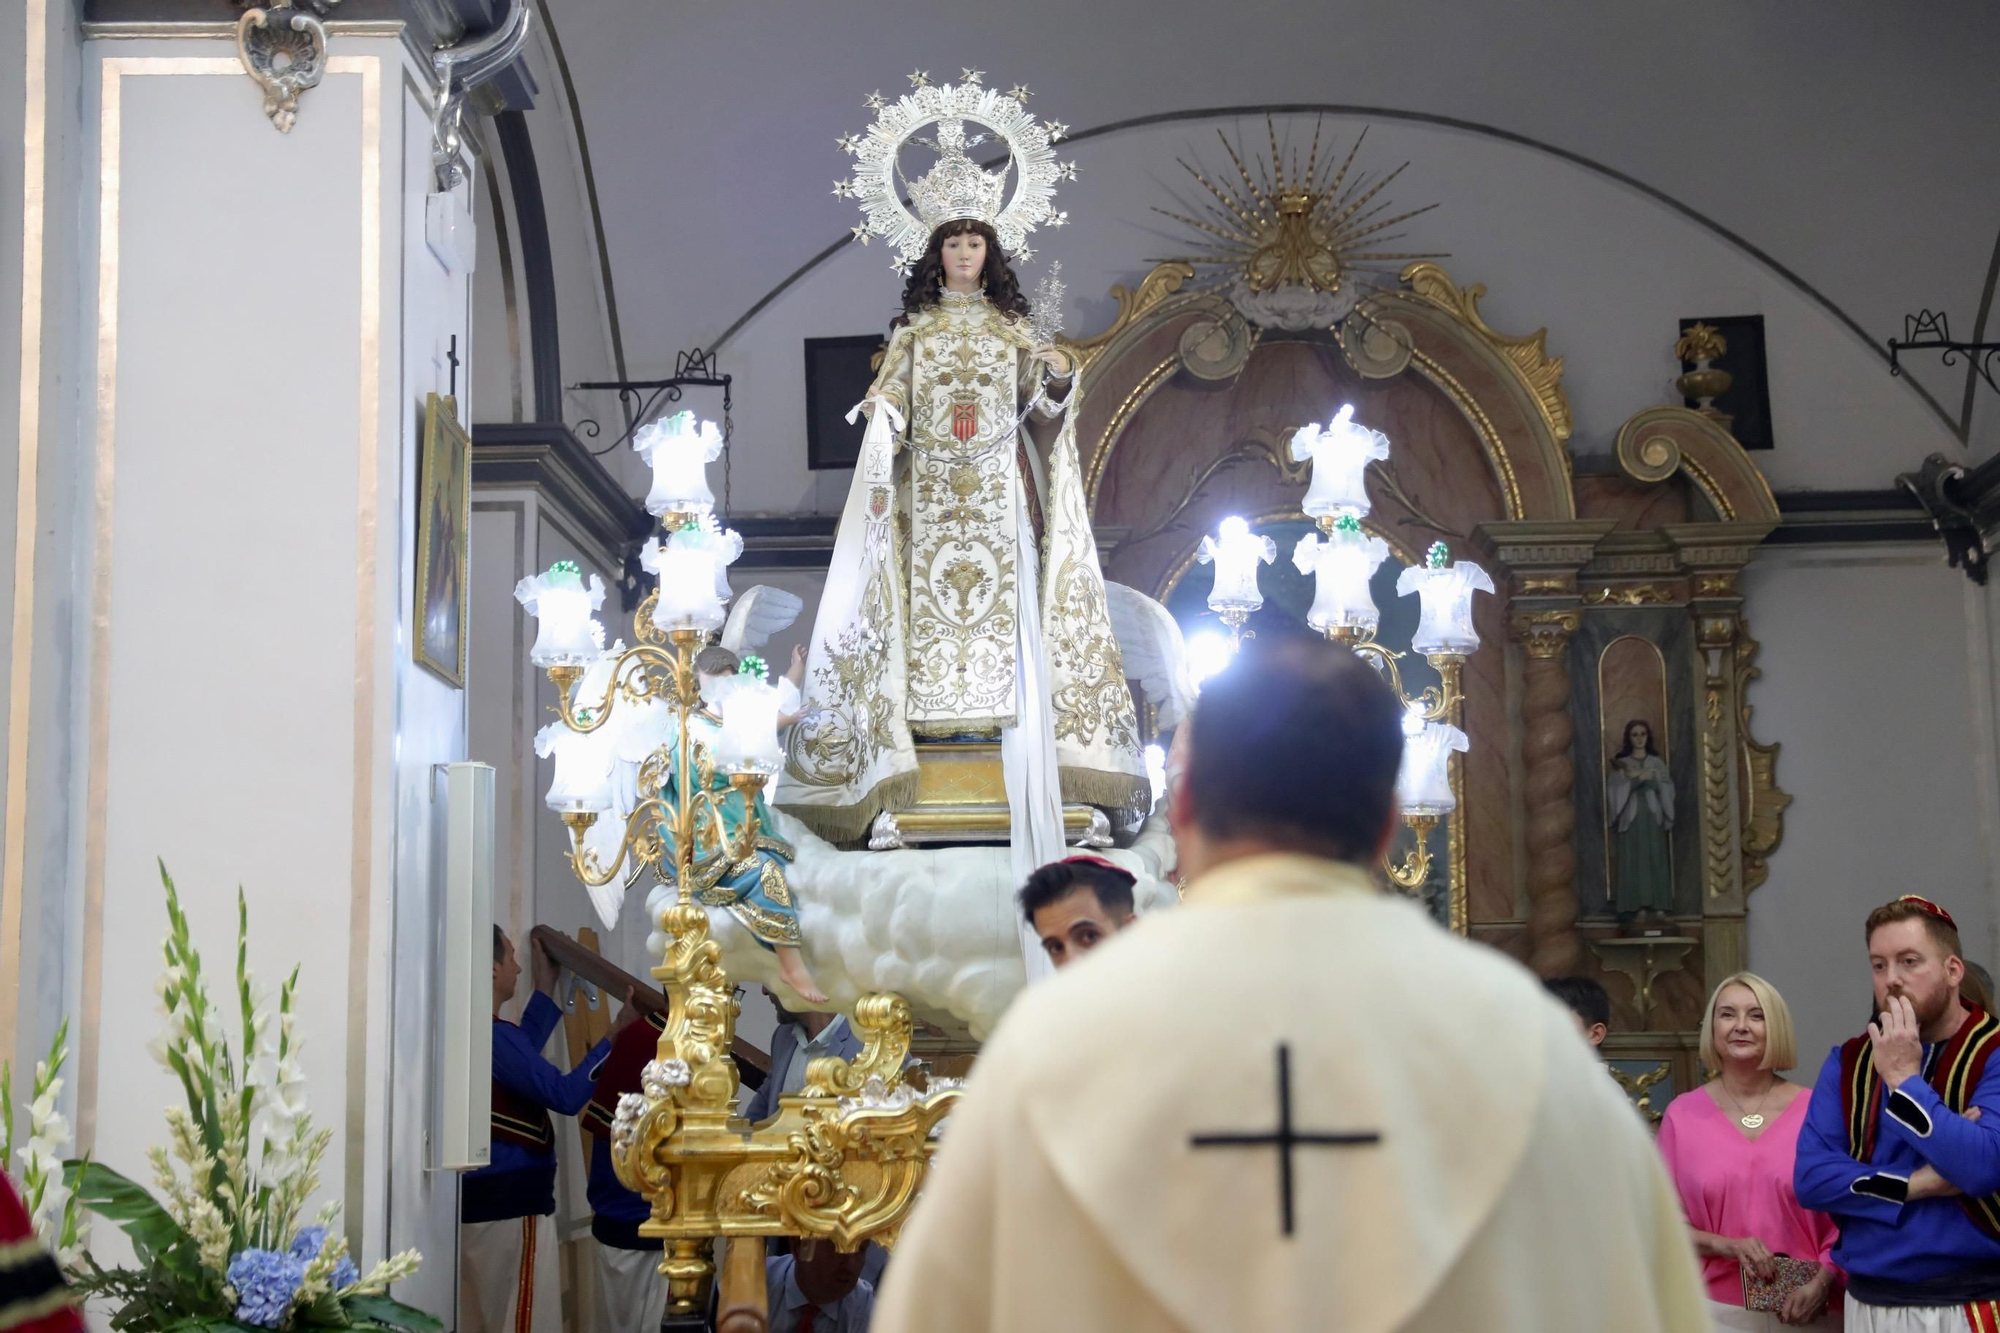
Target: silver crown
x,y
956,187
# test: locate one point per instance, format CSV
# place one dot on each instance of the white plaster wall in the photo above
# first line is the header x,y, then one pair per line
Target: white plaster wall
x,y
434,305
259,718
1828,134
1869,683
1608,271
229,715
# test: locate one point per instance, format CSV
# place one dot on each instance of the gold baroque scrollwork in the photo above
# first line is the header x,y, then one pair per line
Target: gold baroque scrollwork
x,y
1715,585
1164,281
884,1024
284,50
809,1192
1764,801
1544,634
1529,355
1637,594
1715,790
1639,1087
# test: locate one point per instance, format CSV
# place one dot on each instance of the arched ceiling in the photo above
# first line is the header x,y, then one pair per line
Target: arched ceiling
x,y
1844,139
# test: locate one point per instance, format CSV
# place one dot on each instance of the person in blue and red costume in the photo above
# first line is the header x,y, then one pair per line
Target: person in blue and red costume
x,y
629,1295
1901,1143
507,1273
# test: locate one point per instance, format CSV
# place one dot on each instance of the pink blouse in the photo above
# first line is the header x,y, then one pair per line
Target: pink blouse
x,y
1733,1186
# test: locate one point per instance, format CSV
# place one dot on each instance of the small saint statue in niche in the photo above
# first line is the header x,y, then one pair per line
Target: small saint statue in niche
x,y
1640,812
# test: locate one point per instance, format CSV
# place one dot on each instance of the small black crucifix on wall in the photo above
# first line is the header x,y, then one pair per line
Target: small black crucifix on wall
x,y
1284,1138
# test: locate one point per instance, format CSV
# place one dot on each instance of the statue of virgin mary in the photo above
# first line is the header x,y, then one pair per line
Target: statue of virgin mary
x,y
964,599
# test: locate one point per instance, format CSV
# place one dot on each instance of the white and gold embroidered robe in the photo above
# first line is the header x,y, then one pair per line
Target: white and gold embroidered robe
x,y
919,631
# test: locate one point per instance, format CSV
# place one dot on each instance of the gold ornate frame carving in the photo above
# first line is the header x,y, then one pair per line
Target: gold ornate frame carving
x,y
1507,387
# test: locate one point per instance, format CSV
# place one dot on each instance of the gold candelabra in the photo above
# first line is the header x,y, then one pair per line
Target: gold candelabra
x,y
1443,702
844,1157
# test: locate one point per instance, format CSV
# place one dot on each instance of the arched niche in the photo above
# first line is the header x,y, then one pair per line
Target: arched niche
x,y
1187,412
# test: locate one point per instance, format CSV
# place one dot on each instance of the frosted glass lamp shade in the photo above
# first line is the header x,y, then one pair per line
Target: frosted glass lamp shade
x,y
561,603
748,742
1340,454
693,585
1423,785
1235,551
583,767
1341,565
679,451
1444,625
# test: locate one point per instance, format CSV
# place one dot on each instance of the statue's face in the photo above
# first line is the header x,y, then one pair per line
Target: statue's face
x,y
1641,737
964,258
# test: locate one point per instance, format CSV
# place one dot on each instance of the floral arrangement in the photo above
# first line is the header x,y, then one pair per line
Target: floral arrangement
x,y
58,1221
222,1247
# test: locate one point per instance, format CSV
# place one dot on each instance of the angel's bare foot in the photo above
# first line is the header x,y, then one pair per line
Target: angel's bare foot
x,y
792,968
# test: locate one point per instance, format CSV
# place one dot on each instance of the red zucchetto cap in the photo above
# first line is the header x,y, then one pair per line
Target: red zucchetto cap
x,y
1929,908
1085,858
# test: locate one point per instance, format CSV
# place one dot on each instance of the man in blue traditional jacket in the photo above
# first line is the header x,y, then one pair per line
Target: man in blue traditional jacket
x,y
507,1276
1902,1139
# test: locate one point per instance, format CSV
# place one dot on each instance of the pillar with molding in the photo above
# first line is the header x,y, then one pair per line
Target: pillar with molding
x,y
229,331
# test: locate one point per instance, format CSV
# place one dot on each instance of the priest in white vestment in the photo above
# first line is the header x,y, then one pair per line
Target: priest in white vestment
x,y
1297,1103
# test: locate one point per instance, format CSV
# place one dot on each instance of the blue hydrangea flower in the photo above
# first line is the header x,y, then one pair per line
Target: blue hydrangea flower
x,y
345,1274
265,1283
306,1244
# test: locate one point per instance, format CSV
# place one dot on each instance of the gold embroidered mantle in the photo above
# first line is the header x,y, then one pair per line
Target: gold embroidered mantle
x,y
918,625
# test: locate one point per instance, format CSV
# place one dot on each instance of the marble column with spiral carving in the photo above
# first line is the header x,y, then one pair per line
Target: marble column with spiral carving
x,y
1549,784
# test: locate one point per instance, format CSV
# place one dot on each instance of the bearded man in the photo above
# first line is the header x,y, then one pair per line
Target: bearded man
x,y
1902,1139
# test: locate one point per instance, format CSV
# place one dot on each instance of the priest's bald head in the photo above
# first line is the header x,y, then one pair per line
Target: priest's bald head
x,y
1294,748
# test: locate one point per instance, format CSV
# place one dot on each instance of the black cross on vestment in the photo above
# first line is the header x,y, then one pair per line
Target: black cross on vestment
x,y
1285,1138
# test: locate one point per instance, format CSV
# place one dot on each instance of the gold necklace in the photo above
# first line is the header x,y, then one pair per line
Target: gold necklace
x,y
1753,1121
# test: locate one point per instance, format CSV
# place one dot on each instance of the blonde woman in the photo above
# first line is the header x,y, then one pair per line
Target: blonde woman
x,y
1729,1147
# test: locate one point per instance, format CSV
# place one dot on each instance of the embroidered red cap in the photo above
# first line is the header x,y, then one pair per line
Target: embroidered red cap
x,y
1928,907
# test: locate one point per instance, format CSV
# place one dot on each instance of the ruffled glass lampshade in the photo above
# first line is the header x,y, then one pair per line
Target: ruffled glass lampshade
x,y
1444,625
1423,785
1340,454
1235,552
1341,564
679,451
565,633
748,742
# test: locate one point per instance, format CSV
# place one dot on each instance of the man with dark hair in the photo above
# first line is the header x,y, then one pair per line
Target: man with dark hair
x,y
1901,1143
1587,1002
1076,904
507,1271
1293,1102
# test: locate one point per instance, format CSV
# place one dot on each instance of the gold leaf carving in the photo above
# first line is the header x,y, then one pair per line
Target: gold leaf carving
x,y
1155,287
1528,355
1715,791
1764,801
1636,594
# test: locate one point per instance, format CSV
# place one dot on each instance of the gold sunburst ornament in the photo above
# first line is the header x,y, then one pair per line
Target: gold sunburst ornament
x,y
1308,232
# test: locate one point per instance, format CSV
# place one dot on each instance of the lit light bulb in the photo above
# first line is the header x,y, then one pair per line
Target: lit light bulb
x,y
1340,454
1236,551
1207,653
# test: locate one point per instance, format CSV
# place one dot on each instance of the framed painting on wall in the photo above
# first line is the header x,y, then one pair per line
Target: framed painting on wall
x,y
444,524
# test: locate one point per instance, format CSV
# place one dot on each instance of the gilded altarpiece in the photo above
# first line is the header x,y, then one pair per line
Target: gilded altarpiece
x,y
1188,412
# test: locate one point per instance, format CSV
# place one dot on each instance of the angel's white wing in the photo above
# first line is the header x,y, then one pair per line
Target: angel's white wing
x,y
1155,655
758,614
